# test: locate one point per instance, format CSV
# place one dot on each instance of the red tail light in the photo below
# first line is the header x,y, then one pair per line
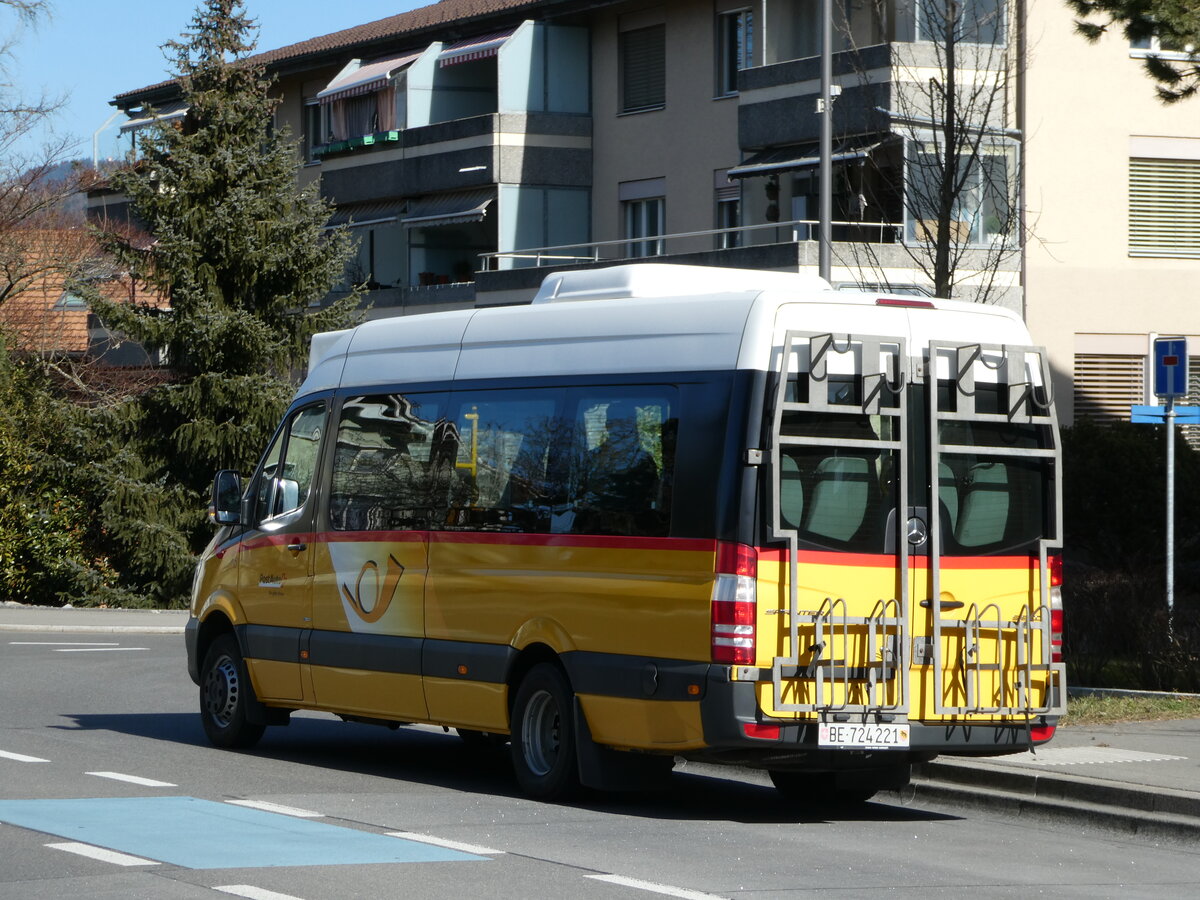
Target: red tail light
x,y
762,732
1041,733
1056,635
1055,565
735,605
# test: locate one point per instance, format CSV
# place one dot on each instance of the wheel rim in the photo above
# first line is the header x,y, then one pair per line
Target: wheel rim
x,y
540,738
222,687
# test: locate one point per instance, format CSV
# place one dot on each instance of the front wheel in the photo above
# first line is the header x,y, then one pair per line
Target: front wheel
x,y
543,735
225,693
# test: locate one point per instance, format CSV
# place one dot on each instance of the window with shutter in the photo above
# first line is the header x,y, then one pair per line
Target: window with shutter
x,y
1107,385
1164,208
643,68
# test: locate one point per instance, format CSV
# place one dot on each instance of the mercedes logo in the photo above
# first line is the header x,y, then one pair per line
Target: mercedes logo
x,y
918,532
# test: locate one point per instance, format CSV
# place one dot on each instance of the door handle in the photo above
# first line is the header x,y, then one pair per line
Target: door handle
x,y
297,547
944,605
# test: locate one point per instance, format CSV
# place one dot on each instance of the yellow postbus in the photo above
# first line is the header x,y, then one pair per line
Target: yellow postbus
x,y
661,512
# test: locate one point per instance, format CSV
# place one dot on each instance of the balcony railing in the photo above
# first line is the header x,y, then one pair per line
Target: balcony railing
x,y
650,246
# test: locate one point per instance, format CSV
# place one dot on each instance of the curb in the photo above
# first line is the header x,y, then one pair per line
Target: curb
x,y
93,629
1157,813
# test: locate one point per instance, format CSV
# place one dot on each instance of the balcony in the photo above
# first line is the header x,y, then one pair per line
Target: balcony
x,y
495,148
865,254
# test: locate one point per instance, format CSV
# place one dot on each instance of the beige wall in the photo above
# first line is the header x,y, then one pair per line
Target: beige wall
x,y
294,91
685,142
1086,102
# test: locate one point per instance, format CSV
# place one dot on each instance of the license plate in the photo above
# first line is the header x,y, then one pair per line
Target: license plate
x,y
862,736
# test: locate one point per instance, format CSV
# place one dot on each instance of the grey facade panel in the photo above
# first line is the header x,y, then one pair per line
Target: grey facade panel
x,y
435,173
546,166
794,71
794,120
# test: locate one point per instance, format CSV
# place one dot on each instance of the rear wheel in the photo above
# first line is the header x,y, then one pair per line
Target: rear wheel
x,y
225,693
543,735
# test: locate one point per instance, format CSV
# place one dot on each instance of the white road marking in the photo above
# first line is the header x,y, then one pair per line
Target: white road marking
x,y
442,842
20,757
63,644
109,856
97,649
276,808
654,888
132,779
250,892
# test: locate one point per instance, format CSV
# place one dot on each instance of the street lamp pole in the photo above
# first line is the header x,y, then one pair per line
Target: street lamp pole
x,y
825,226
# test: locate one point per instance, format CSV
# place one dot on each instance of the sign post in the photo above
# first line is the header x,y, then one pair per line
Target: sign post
x,y
1170,383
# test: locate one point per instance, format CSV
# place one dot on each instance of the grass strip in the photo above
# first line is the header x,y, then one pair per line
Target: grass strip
x,y
1101,709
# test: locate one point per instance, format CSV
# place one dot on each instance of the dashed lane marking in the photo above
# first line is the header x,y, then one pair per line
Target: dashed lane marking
x,y
250,892
97,649
203,834
277,808
442,842
654,888
132,779
20,757
108,856
63,644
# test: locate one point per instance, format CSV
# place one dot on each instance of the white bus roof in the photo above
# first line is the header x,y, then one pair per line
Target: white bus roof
x,y
636,318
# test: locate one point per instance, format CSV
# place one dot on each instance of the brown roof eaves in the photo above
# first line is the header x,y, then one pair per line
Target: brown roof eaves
x,y
410,24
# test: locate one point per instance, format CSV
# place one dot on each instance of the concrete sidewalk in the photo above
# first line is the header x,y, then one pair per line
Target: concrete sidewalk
x,y
1137,778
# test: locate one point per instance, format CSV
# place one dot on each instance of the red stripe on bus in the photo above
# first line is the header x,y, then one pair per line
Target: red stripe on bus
x,y
619,542
583,541
888,560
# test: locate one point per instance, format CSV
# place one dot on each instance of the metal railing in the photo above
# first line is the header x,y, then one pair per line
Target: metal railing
x,y
650,246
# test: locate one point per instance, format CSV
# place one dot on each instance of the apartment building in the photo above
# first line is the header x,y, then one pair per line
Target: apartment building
x,y
474,144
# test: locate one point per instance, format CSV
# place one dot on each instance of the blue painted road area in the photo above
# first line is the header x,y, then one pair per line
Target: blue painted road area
x,y
201,834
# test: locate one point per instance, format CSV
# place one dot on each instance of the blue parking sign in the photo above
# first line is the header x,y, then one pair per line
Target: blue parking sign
x,y
1170,367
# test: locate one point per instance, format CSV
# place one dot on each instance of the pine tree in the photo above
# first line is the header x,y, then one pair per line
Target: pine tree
x,y
1176,24
240,252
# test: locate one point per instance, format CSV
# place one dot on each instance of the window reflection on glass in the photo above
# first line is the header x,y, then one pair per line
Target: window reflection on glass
x,y
289,465
394,463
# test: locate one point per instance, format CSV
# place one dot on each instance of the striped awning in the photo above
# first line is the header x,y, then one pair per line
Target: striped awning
x,y
359,78
357,215
807,156
449,209
475,48
168,112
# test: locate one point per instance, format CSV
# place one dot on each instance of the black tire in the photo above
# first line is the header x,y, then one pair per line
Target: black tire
x,y
225,693
818,789
543,735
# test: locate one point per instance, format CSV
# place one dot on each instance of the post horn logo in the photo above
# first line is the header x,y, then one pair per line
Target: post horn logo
x,y
371,600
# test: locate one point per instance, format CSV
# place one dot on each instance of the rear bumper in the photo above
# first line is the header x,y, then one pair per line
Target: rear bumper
x,y
730,705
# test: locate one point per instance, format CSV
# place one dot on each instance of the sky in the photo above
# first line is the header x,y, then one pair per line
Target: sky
x,y
88,51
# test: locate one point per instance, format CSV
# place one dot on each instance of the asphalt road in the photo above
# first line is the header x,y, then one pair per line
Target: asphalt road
x,y
108,789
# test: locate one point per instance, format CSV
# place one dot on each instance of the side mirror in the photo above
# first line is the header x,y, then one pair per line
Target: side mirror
x,y
226,506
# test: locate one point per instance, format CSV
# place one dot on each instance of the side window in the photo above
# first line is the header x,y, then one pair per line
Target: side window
x,y
622,461
394,463
507,472
286,476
